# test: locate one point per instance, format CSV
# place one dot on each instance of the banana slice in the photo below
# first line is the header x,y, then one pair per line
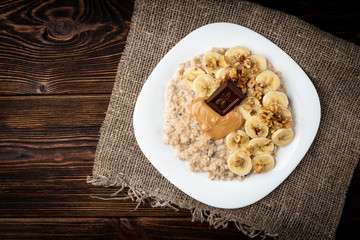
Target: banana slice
x,y
275,97
237,141
282,136
259,64
262,163
249,107
259,146
189,76
256,128
239,163
269,80
211,62
223,74
235,54
223,62
204,85
285,112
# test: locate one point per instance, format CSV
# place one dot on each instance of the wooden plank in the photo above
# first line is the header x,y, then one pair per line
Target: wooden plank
x,y
51,113
44,163
61,47
123,228
114,228
47,147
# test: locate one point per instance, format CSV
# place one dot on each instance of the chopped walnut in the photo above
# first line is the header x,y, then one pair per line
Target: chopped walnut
x,y
255,69
258,94
243,90
278,125
242,81
272,117
249,150
233,74
242,59
251,83
247,63
212,63
259,168
250,101
287,122
243,72
237,65
273,110
242,87
238,162
259,91
239,139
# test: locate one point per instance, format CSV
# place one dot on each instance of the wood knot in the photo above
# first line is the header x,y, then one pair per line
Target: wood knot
x,y
42,88
63,27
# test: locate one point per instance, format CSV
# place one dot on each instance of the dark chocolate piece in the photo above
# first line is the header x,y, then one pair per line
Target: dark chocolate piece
x,y
225,98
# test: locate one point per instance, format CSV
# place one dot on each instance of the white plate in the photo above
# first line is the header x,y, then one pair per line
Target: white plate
x,y
150,106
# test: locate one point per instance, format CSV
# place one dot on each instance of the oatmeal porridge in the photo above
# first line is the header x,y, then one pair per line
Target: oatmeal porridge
x,y
227,113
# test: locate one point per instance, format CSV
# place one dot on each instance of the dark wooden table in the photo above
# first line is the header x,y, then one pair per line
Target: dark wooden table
x,y
58,61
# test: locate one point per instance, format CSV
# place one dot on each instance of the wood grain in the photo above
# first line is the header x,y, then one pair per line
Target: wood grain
x,y
112,228
44,163
55,47
47,147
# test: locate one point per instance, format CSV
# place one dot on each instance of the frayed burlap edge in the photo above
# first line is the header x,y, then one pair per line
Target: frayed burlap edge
x,y
141,196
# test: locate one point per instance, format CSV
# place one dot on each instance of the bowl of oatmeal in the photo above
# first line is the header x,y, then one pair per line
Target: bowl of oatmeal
x,y
174,131
227,113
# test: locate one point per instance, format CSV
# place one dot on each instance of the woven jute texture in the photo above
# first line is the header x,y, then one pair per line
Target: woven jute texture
x,y
309,203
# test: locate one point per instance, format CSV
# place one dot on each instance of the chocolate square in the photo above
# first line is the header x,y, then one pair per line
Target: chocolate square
x,y
225,98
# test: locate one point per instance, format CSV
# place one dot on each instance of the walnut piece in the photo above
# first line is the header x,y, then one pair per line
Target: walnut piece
x,y
212,63
250,101
272,117
255,69
258,94
243,72
259,168
259,91
233,74
239,139
242,81
242,59
251,83
249,150
238,162
247,63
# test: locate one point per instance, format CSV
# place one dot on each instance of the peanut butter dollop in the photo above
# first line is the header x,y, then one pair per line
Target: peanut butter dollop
x,y
213,124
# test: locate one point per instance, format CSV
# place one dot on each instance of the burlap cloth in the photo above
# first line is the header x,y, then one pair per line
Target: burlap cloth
x,y
309,203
